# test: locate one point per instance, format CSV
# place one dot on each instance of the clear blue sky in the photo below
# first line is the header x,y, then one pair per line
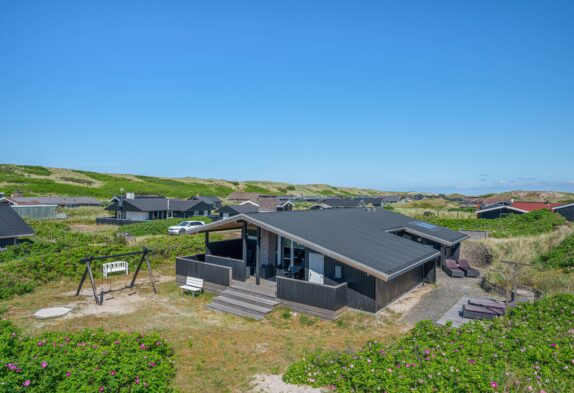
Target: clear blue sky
x,y
397,95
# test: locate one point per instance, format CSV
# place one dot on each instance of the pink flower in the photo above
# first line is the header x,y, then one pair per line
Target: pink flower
x,y
494,384
471,361
427,352
152,364
553,345
68,374
543,391
142,346
137,380
101,389
26,383
40,343
44,364
112,373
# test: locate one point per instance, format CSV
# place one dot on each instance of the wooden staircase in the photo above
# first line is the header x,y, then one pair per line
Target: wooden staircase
x,y
249,303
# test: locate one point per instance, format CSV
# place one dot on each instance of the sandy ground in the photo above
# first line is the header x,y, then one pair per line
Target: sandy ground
x,y
274,384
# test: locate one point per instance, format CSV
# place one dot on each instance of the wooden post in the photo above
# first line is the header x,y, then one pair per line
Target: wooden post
x,y
138,268
258,257
150,272
244,242
89,267
206,243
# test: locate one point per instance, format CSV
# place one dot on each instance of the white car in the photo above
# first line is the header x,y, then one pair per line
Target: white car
x,y
184,227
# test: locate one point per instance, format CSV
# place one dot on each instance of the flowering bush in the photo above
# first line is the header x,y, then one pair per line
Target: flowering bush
x,y
87,361
531,350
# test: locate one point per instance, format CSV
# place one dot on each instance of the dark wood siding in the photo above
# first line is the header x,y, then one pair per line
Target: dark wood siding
x,y
393,289
361,286
567,212
215,274
497,213
238,266
312,294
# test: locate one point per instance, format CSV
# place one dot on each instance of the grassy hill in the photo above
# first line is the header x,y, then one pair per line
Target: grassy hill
x,y
38,180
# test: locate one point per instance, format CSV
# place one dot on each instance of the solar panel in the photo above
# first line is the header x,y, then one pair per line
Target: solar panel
x,y
425,225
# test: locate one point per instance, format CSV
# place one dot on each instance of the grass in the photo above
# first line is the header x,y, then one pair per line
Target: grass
x,y
157,227
546,277
36,180
533,223
217,352
561,256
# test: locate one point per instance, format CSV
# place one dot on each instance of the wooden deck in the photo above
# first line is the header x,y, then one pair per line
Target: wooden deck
x,y
266,287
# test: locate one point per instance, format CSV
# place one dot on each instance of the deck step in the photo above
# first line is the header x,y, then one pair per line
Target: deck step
x,y
261,293
253,298
242,305
234,310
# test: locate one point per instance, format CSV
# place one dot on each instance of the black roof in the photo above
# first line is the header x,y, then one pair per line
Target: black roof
x,y
359,237
210,200
245,208
160,204
341,202
11,224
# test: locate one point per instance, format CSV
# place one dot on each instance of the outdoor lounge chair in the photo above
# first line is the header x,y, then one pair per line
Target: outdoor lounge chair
x,y
496,307
478,312
452,269
467,269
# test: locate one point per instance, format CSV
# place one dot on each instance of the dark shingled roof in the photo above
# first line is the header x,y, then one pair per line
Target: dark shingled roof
x,y
341,202
11,224
359,237
245,208
160,204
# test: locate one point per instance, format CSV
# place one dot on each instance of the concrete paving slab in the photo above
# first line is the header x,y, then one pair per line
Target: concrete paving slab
x,y
51,312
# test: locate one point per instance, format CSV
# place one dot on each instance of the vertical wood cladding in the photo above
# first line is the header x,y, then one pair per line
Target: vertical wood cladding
x,y
393,289
361,286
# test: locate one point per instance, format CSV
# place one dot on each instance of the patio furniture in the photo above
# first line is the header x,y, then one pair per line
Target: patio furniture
x,y
193,285
467,269
452,269
488,303
478,312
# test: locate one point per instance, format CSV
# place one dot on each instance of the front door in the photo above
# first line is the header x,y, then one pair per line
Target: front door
x,y
316,267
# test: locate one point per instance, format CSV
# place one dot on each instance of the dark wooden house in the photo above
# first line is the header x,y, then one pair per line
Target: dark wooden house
x,y
565,210
325,261
12,226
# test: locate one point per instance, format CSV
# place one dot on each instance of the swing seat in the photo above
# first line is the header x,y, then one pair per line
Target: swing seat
x,y
115,267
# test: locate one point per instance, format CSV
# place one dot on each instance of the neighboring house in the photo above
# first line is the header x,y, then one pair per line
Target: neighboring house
x,y
239,196
32,209
565,210
372,201
156,208
390,199
320,206
233,210
285,206
343,202
12,226
334,258
213,201
503,209
60,201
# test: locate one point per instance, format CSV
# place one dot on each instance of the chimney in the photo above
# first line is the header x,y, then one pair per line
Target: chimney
x,y
130,195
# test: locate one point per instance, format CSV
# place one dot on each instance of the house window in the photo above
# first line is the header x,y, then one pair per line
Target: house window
x,y
338,272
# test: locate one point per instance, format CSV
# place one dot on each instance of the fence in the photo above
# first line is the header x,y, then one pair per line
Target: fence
x,y
194,267
238,267
312,294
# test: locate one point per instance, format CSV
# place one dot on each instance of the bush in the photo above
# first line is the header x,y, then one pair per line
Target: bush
x,y
86,361
56,252
532,349
157,227
559,257
532,223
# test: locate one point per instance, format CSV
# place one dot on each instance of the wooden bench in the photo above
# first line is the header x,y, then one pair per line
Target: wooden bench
x,y
193,285
115,267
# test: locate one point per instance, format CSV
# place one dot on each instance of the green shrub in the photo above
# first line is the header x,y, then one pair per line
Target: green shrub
x,y
532,349
86,361
532,223
559,257
56,252
157,227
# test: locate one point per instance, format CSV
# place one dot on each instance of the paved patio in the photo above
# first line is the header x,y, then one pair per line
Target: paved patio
x,y
447,293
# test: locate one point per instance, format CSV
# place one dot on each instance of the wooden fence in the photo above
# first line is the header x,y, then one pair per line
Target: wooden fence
x,y
312,294
238,267
194,267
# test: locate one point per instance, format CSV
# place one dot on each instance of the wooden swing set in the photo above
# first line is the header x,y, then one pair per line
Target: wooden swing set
x,y
144,257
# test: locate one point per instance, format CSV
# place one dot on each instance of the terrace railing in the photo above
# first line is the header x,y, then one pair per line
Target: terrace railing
x,y
194,266
322,296
238,266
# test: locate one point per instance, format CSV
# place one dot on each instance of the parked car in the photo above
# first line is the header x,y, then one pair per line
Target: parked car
x,y
184,227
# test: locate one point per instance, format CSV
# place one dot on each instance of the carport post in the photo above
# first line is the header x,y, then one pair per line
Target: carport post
x,y
206,243
244,241
258,258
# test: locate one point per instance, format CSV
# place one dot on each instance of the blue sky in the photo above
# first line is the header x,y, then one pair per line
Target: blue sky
x,y
410,95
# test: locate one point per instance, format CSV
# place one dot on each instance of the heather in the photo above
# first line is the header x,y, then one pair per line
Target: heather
x,y
530,350
85,361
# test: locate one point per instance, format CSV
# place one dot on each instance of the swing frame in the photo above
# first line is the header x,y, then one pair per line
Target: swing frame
x,y
88,271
